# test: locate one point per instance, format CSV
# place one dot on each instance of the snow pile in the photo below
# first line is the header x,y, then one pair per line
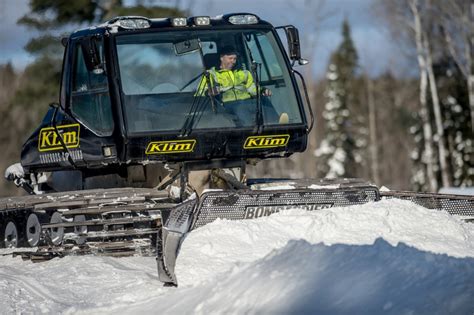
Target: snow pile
x,y
388,257
221,245
302,278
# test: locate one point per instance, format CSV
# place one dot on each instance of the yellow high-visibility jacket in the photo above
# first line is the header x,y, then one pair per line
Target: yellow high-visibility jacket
x,y
233,85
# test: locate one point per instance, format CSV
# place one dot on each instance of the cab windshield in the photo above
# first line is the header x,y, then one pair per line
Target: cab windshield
x,y
164,80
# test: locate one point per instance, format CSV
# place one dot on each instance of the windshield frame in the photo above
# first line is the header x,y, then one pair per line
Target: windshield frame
x,y
120,92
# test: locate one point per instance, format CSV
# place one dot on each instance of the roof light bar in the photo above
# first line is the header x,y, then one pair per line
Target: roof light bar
x,y
243,19
132,22
179,21
202,20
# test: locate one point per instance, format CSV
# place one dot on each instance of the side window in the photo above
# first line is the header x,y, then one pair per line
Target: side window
x,y
264,53
90,101
80,78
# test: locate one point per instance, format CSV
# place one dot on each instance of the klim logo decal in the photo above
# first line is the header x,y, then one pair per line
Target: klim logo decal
x,y
49,137
167,147
263,142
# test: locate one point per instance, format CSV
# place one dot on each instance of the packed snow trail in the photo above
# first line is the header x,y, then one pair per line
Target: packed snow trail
x,y
387,257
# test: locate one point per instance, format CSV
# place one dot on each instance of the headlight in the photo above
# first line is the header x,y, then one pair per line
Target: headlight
x,y
132,23
202,20
243,19
179,21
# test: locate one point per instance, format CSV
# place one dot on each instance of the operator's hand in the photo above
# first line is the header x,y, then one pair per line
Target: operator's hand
x,y
266,92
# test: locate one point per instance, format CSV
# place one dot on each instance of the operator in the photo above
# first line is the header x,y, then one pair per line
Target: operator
x,y
234,87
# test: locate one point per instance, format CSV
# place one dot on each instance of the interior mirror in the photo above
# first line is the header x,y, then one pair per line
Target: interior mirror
x,y
187,46
91,55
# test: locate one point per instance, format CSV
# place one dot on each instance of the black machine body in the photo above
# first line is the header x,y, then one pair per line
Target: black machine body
x,y
130,98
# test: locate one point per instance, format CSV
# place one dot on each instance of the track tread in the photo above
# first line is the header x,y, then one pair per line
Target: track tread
x,y
102,207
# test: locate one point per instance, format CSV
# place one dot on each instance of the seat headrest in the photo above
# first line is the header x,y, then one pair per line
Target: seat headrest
x,y
211,60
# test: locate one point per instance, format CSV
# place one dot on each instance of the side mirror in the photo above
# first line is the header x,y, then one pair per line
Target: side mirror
x,y
294,48
293,42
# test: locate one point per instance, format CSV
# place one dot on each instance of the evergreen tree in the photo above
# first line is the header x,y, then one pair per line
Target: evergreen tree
x,y
336,153
455,111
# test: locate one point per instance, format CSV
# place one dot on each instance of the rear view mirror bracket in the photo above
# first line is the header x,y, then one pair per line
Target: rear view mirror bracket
x,y
187,47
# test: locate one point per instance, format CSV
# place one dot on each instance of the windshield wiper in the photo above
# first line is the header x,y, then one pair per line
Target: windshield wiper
x,y
191,115
254,69
198,105
191,81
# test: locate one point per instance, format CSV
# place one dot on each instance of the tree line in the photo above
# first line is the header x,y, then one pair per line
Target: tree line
x,y
413,132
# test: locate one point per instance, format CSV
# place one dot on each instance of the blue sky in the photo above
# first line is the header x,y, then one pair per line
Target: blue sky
x,y
376,51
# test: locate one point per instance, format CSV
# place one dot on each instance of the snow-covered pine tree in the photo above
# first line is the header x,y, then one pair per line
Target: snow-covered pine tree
x,y
455,110
336,153
454,100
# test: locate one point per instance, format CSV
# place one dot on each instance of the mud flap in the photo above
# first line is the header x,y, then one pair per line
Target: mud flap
x,y
246,204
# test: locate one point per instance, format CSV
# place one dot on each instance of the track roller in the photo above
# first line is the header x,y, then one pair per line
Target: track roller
x,y
33,230
10,234
80,230
56,234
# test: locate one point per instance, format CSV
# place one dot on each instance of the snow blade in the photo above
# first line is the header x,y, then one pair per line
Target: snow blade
x,y
246,204
459,205
177,225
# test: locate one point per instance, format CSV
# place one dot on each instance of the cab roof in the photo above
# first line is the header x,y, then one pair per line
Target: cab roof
x,y
116,25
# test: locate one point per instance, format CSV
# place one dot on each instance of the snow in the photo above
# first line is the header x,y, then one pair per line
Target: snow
x,y
387,257
14,171
278,187
313,186
384,189
468,191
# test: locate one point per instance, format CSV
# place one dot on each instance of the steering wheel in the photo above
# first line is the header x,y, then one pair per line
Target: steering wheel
x,y
165,87
191,81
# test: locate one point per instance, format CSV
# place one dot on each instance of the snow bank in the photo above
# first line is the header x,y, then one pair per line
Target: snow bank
x,y
302,278
387,257
221,245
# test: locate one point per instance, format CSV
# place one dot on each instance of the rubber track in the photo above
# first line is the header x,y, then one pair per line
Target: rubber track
x,y
117,217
